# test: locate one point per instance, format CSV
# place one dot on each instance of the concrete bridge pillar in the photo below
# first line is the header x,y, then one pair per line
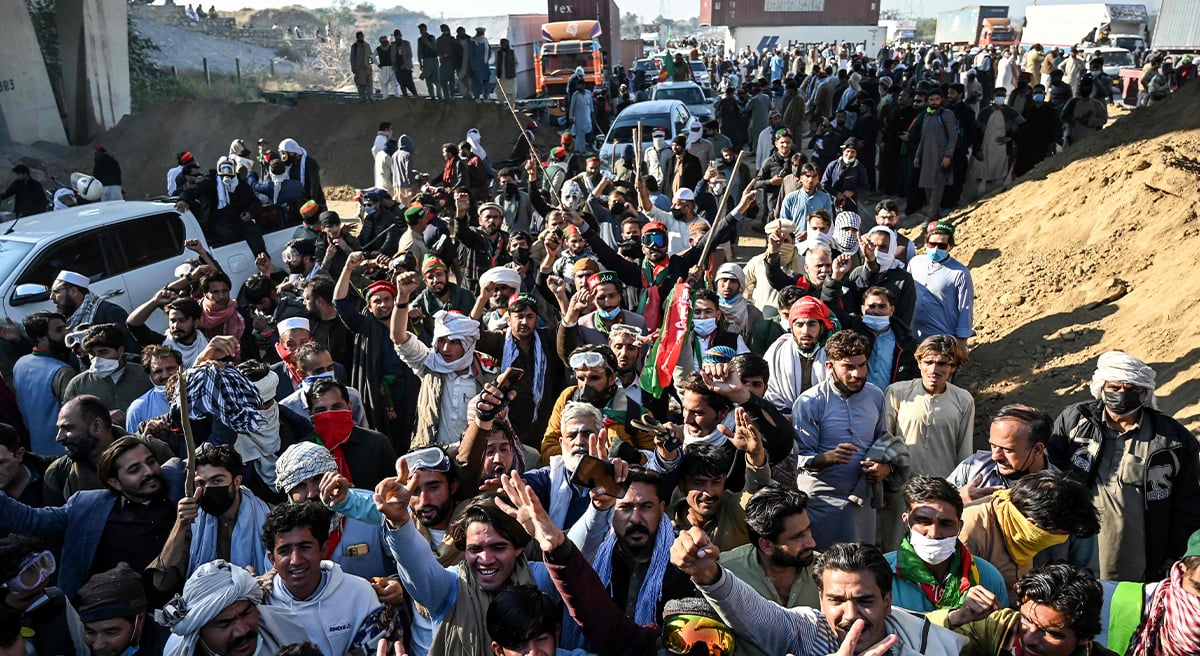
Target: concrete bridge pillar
x,y
94,50
28,112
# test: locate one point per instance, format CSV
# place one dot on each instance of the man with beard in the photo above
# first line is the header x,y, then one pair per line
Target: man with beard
x,y
439,293
772,172
633,561
933,569
682,170
108,378
221,520
595,372
182,334
375,369
221,611
1018,438
116,620
523,345
797,358
591,177
481,247
160,363
604,290
658,272
42,376
327,327
582,426
708,502
127,521
73,298
300,257
333,606
836,422
334,245
855,585
933,137
776,560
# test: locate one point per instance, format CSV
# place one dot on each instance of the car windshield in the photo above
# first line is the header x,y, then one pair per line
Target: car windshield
x,y
647,65
1116,58
1128,42
11,254
622,130
686,95
698,67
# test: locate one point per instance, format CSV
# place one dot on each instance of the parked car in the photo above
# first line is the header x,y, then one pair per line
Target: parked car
x,y
700,73
672,115
128,249
688,93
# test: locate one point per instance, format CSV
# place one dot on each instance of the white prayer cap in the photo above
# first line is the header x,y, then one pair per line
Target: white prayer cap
x,y
294,323
77,279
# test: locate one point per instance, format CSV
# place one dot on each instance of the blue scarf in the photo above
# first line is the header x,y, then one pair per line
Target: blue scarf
x,y
647,602
512,352
245,548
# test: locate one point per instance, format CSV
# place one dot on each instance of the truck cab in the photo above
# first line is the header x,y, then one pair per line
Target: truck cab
x,y
997,32
568,45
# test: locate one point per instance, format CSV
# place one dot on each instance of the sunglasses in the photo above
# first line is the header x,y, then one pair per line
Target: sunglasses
x,y
941,246
685,632
34,571
428,459
655,239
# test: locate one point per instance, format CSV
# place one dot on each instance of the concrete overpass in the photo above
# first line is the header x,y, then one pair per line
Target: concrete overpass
x,y
94,55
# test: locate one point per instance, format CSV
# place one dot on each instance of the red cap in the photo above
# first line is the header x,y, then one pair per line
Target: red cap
x,y
653,226
187,158
381,286
810,308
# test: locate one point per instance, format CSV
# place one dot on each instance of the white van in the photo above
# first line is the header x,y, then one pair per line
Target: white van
x,y
128,249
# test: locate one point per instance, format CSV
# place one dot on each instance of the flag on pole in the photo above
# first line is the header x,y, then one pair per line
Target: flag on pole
x,y
672,336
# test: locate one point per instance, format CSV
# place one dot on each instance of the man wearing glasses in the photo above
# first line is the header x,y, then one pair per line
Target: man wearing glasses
x,y
945,291
595,370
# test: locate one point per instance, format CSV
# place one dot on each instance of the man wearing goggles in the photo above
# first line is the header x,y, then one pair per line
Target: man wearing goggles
x,y
25,593
658,271
595,371
689,625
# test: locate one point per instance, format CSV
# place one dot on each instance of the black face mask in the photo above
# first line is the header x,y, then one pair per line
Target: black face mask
x,y
521,256
617,209
216,500
841,387
679,213
511,189
630,248
1124,402
590,396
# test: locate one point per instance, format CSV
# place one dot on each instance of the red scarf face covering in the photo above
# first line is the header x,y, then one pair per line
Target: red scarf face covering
x,y
1172,627
226,320
333,427
286,356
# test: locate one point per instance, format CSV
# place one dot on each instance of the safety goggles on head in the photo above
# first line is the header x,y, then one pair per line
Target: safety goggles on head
x,y
428,459
34,570
587,360
684,632
655,239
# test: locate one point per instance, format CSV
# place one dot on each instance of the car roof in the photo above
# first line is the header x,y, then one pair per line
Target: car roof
x,y
651,107
670,84
74,219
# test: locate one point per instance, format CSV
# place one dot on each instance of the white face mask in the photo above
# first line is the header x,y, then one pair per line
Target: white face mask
x,y
999,100
161,389
884,260
103,367
933,552
660,142
705,327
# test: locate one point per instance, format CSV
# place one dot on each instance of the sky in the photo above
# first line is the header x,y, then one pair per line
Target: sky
x,y
647,8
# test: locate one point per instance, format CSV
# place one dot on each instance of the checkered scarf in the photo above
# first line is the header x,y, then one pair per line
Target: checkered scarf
x,y
223,394
1172,627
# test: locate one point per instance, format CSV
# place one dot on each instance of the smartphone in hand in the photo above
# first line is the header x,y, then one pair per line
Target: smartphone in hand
x,y
594,472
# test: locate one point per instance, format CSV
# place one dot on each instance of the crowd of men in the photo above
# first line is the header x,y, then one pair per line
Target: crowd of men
x,y
544,410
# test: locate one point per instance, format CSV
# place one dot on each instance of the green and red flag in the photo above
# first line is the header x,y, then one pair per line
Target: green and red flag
x,y
672,336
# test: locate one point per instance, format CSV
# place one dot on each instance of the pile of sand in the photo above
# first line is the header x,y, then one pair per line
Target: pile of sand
x,y
1095,250
338,136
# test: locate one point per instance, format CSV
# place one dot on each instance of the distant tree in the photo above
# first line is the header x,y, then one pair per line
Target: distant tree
x,y
364,8
926,29
889,14
631,27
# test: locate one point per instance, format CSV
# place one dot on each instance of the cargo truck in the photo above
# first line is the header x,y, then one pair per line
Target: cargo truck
x,y
1092,24
1178,27
975,25
567,45
899,30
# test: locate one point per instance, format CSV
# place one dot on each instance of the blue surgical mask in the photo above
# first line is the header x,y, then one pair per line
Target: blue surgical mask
x,y
1039,97
876,323
309,381
609,314
731,300
705,327
938,255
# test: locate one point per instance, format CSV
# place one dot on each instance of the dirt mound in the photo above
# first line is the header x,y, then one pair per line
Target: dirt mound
x,y
1095,251
338,136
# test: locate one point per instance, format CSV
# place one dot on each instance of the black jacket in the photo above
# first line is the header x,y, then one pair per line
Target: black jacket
x,y
30,197
106,169
689,178
1166,473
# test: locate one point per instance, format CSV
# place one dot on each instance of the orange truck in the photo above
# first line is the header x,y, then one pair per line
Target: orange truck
x,y
567,45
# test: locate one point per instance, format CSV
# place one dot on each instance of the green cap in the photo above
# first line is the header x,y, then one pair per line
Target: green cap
x,y
1193,548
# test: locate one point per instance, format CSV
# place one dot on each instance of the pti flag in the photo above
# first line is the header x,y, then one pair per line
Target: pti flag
x,y
672,336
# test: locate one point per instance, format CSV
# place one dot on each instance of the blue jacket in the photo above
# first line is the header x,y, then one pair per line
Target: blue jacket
x,y
909,595
79,524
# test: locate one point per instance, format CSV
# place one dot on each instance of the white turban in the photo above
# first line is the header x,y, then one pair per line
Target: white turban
x,y
1120,367
733,272
454,325
501,275
818,239
889,256
213,587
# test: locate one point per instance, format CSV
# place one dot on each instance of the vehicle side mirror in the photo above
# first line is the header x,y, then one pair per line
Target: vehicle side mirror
x,y
30,293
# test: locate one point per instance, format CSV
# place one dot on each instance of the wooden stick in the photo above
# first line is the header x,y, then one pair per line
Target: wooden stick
x,y
185,409
513,111
712,230
637,154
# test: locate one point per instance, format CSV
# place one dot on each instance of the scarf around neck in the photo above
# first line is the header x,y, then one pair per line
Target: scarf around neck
x,y
1022,539
1172,627
512,352
222,321
949,593
648,595
463,630
245,547
86,311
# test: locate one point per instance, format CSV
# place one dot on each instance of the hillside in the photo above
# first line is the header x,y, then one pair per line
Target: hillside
x,y
1095,251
